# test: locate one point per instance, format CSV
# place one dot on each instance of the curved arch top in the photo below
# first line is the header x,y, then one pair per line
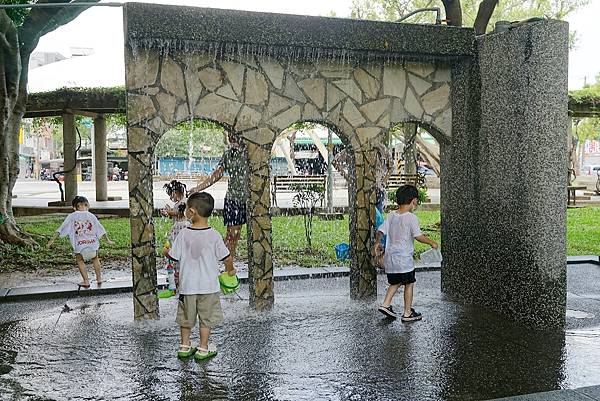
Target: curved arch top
x,y
258,97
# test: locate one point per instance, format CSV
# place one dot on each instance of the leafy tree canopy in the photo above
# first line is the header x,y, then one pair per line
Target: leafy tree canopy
x,y
510,10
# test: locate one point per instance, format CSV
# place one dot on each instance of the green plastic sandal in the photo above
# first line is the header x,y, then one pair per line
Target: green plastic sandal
x,y
200,356
186,354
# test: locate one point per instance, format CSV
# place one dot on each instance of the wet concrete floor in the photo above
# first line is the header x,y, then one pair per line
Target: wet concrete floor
x,y
316,344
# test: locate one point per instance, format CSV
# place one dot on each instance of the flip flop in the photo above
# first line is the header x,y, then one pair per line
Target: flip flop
x,y
83,285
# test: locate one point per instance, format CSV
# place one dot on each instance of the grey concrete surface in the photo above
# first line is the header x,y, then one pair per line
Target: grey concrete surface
x,y
505,193
580,394
316,344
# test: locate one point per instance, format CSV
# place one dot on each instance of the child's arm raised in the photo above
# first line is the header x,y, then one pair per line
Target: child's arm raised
x,y
229,266
424,240
214,177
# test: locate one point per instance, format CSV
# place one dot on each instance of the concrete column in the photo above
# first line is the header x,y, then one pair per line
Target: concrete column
x,y
504,205
410,154
70,157
100,158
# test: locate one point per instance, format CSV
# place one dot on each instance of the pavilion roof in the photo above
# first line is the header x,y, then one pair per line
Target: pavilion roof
x,y
76,100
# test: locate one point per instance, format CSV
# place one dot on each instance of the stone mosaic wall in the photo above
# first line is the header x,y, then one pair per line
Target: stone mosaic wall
x,y
257,98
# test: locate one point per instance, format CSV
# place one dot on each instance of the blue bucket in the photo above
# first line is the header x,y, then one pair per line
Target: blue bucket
x,y
342,251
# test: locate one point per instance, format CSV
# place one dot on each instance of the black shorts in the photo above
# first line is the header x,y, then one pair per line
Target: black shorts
x,y
401,278
234,213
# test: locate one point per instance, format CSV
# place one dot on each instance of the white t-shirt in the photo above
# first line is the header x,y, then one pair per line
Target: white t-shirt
x,y
84,231
198,251
400,229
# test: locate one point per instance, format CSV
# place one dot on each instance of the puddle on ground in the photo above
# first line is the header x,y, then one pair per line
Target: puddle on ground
x,y
578,314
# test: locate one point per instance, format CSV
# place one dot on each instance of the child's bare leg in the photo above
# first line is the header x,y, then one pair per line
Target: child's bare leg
x,y
97,269
408,298
232,238
82,269
204,335
185,335
391,291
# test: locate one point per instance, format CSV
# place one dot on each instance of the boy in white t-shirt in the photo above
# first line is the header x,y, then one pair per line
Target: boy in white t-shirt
x,y
199,248
401,227
84,231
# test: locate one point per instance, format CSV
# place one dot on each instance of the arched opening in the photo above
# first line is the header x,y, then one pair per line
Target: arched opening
x,y
202,155
309,196
415,158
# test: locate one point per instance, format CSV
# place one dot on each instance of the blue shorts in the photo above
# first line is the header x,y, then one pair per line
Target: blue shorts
x,y
234,213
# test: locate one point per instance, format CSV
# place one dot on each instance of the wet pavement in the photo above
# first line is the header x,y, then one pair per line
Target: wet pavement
x,y
316,344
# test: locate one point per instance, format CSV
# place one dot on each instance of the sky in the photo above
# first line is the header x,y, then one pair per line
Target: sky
x,y
102,29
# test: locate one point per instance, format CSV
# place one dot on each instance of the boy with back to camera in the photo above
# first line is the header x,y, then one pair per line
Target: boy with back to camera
x,y
84,231
199,248
401,227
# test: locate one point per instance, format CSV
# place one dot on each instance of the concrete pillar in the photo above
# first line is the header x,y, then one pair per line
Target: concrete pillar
x,y
410,153
505,195
100,158
70,156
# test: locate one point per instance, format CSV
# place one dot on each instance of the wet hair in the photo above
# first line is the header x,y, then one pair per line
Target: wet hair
x,y
405,194
174,186
202,202
78,200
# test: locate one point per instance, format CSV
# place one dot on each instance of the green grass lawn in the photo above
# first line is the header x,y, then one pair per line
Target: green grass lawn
x,y
289,241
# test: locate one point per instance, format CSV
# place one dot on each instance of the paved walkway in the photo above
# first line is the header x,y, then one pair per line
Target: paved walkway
x,y
316,344
117,278
579,394
32,193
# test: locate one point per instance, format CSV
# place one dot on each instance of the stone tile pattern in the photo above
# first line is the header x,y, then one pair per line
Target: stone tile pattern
x,y
505,245
257,98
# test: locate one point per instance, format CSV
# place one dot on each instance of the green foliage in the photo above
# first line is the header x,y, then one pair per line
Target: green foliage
x,y
17,15
587,128
208,139
587,94
423,196
583,232
507,10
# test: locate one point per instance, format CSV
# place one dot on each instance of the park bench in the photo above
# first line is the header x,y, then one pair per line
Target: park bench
x,y
287,183
571,193
397,180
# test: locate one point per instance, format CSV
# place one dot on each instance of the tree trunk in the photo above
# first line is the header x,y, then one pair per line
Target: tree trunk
x,y
13,97
453,12
484,14
16,45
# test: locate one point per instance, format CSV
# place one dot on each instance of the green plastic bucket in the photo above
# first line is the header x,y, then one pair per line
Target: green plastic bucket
x,y
228,283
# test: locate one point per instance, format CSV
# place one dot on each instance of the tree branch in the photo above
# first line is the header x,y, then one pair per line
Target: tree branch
x,y
453,12
43,20
484,14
